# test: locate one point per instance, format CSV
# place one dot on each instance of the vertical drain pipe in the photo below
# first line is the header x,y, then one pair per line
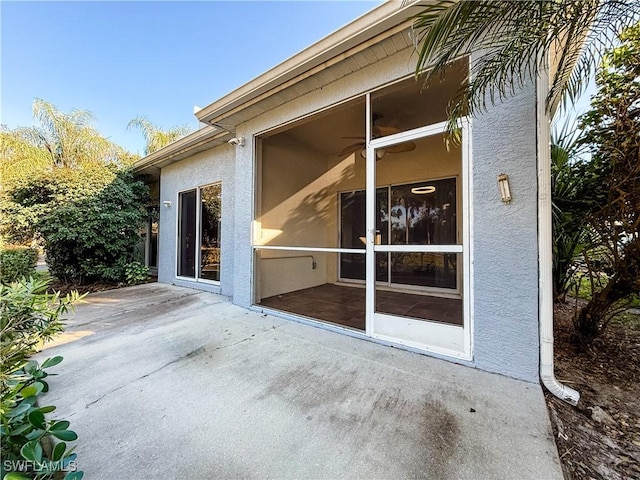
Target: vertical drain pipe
x,y
545,249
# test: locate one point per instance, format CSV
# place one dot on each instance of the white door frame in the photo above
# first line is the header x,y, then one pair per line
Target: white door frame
x,y
445,339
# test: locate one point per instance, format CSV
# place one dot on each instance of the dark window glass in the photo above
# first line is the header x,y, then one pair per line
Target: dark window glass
x,y
153,244
421,213
187,235
424,213
425,269
353,231
352,234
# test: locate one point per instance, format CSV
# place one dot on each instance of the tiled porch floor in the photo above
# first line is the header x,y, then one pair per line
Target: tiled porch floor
x,y
345,305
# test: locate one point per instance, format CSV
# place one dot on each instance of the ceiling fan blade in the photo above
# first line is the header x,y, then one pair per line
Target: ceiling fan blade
x,y
382,131
349,149
401,147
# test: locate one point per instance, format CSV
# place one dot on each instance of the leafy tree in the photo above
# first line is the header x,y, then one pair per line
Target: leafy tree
x,y
516,39
67,186
155,137
577,31
94,238
29,199
62,158
612,131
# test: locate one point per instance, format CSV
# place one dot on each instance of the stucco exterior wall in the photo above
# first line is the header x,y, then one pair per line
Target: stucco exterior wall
x,y
211,166
505,250
504,237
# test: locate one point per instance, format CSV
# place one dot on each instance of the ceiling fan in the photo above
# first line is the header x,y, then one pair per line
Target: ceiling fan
x,y
377,131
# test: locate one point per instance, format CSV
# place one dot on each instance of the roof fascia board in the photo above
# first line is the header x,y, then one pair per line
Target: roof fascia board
x,y
371,25
252,101
194,140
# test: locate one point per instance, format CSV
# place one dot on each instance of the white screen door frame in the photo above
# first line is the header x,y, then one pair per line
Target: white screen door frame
x,y
436,337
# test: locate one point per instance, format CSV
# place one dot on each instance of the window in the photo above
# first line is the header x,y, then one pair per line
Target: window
x,y
199,233
422,213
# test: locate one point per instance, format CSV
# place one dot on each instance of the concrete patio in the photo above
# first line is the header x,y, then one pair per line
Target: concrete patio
x,y
162,382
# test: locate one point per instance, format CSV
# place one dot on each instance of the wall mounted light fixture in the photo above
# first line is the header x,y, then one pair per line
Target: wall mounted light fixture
x,y
167,203
503,186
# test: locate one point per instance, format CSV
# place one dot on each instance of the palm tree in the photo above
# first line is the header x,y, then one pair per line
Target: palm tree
x,y
58,140
155,137
574,192
508,33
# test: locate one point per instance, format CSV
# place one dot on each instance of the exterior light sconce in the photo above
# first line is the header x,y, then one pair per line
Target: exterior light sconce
x,y
503,186
237,141
167,203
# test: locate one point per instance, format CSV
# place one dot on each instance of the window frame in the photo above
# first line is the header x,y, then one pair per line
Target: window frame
x,y
198,221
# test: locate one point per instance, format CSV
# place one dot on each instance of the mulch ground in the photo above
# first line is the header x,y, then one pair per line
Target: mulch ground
x,y
600,438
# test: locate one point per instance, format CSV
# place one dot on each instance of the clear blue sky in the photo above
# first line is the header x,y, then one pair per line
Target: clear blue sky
x,y
157,59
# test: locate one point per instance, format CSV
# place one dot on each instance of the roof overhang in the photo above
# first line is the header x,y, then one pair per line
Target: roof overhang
x,y
198,141
390,17
380,23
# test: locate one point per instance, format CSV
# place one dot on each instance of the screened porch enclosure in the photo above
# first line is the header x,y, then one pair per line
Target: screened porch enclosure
x,y
321,183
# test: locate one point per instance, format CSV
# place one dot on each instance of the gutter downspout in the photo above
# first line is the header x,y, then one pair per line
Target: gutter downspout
x,y
545,249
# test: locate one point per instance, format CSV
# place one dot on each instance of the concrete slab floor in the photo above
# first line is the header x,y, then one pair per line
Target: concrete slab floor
x,y
162,382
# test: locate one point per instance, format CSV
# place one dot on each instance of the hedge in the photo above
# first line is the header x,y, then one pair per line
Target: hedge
x,y
16,263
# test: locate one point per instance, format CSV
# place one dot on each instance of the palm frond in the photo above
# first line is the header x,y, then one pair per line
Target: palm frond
x,y
509,44
155,137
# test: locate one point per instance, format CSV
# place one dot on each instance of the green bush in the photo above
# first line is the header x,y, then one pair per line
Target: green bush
x,y
27,200
95,238
29,317
136,273
33,446
17,263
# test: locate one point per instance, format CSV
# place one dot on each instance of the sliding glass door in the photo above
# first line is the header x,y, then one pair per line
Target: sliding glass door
x,y
187,234
199,233
422,213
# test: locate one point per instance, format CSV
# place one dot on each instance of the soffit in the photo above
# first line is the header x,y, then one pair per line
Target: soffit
x,y
196,142
397,42
355,46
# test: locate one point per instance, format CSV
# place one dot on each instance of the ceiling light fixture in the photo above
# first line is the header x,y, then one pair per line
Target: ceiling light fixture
x,y
423,190
380,152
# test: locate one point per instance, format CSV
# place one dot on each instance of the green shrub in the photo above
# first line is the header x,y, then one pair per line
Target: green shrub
x,y
136,273
17,263
33,446
29,317
27,200
95,238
